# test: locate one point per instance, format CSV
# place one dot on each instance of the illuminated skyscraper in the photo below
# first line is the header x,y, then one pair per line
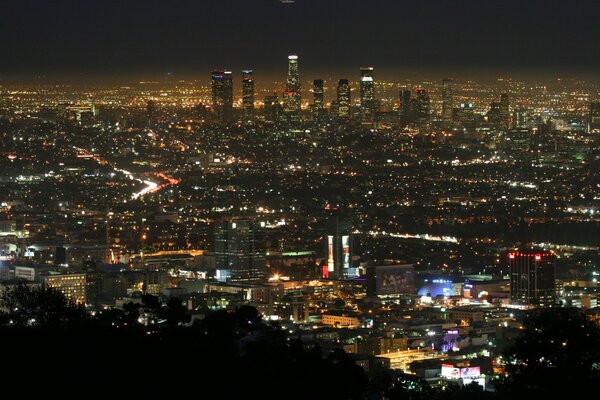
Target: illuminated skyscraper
x,y
423,104
151,113
318,96
532,277
222,95
405,108
343,100
248,94
447,101
291,98
239,250
367,94
594,117
504,111
272,108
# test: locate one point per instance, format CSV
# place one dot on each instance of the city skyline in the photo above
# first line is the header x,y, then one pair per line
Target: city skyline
x,y
311,199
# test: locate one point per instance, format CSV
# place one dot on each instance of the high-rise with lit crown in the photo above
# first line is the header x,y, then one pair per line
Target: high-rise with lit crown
x,y
343,99
248,94
532,277
367,94
239,250
291,96
222,95
447,101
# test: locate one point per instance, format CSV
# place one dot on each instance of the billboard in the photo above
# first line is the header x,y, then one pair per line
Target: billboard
x,y
330,253
451,372
395,279
346,250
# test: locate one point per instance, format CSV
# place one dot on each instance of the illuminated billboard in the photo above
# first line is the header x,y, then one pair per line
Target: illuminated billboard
x,y
395,279
330,253
346,251
452,372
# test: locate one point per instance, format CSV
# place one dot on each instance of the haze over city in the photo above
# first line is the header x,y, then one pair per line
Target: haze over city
x,y
300,198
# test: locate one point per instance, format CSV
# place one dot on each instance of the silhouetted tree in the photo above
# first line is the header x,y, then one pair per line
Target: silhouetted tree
x,y
29,305
559,352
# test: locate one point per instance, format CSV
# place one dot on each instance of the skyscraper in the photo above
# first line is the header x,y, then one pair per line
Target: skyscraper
x,y
447,101
367,94
248,94
343,100
318,95
291,96
504,111
405,108
594,117
222,95
532,277
423,111
239,250
272,108
151,113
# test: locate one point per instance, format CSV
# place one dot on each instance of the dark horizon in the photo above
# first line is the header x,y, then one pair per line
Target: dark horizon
x,y
66,36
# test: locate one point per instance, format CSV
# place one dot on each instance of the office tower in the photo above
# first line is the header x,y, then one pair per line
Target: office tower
x,y
239,250
318,99
447,101
594,117
423,107
73,286
248,94
532,277
465,114
272,108
291,95
405,108
151,113
343,100
339,245
222,95
493,114
367,94
504,111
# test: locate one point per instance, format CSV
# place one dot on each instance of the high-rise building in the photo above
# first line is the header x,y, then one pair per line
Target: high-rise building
x,y
343,100
405,108
318,99
493,114
367,94
222,95
447,101
239,250
339,245
73,286
151,113
272,108
291,96
504,111
423,110
532,277
465,114
248,94
594,117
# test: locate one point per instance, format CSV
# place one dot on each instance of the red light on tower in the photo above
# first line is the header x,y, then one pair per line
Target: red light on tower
x,y
538,257
511,256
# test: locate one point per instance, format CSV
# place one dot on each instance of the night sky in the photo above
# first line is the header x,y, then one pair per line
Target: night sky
x,y
148,35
